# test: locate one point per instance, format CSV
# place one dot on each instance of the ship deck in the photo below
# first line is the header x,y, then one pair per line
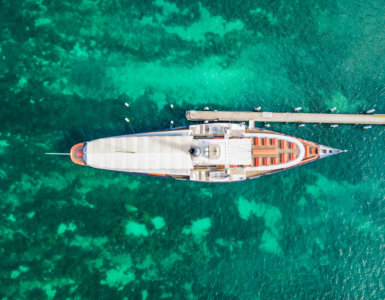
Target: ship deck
x,y
217,152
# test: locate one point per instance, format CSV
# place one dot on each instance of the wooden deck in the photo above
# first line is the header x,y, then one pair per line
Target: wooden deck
x,y
195,115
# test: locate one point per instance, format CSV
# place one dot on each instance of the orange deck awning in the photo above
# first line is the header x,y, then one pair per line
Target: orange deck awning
x,y
265,152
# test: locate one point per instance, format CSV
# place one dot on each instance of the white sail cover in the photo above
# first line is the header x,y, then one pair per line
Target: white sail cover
x,y
144,154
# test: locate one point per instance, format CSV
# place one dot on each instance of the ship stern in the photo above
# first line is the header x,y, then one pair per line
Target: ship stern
x,y
78,154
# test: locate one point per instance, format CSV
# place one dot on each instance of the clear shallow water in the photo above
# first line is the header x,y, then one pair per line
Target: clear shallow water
x,y
66,70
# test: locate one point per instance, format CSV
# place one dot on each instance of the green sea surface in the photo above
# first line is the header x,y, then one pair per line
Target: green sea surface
x,y
70,232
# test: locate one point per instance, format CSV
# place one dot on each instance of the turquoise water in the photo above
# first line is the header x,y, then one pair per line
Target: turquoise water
x,y
69,232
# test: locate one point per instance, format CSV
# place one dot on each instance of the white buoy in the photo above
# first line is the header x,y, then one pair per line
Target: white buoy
x,y
298,108
127,120
172,122
206,108
334,126
301,125
333,109
366,127
172,106
126,104
370,111
258,108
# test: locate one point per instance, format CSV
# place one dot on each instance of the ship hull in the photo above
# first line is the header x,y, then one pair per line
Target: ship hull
x,y
218,152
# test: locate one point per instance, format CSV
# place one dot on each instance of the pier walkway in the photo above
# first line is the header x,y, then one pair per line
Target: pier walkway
x,y
195,115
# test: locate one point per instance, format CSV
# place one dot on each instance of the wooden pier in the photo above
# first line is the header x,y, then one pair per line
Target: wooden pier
x,y
270,117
